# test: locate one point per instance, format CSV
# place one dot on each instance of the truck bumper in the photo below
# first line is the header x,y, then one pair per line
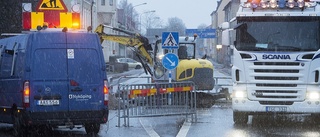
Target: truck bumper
x,y
251,107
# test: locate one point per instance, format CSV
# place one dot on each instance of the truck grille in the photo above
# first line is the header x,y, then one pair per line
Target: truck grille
x,y
276,83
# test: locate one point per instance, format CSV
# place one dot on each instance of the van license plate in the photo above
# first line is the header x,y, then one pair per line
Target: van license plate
x,y
48,102
276,109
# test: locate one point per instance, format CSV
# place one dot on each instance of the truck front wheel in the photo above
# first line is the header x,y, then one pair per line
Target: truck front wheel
x,y
240,118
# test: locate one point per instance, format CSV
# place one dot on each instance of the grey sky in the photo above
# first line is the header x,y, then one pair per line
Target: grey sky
x,y
192,12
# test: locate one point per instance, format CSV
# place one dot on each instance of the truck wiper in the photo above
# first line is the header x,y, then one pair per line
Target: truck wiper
x,y
290,48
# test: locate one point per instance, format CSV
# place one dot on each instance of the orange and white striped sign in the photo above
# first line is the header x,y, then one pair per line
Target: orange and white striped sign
x,y
153,91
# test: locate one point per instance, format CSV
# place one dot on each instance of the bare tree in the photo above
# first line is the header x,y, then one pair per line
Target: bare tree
x,y
202,26
176,24
130,15
151,20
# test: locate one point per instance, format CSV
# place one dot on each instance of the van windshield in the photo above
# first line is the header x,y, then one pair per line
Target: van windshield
x,y
278,34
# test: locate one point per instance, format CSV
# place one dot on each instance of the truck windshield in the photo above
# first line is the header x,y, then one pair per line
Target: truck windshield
x,y
278,34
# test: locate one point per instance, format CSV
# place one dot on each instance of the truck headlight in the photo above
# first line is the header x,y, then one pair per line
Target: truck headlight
x,y
313,95
239,94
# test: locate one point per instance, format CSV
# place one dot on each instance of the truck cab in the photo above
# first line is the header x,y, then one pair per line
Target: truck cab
x,y
275,58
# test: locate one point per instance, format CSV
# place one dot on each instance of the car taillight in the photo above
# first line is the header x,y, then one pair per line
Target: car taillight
x,y
26,94
105,92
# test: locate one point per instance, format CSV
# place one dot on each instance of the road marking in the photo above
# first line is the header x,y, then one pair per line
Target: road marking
x,y
148,128
204,112
184,129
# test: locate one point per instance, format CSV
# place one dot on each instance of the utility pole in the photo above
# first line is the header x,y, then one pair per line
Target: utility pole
x,y
92,2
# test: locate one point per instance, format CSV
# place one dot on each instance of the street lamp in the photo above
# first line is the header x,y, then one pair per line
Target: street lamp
x,y
91,8
145,13
219,47
132,11
131,22
139,5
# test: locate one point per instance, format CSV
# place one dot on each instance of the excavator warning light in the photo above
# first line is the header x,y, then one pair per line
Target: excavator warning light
x,y
65,29
39,27
89,29
195,35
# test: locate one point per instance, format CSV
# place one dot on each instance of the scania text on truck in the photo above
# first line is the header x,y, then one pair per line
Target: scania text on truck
x,y
51,79
275,58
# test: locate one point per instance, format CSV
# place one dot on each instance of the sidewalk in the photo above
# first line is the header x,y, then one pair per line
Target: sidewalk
x,y
114,75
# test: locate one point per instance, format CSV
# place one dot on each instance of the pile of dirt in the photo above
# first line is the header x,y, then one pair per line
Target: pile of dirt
x,y
205,100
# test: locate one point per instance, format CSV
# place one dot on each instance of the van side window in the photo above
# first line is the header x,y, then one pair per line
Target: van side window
x,y
1,52
15,52
6,63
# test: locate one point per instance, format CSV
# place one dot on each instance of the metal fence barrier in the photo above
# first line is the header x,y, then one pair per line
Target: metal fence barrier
x,y
156,99
218,85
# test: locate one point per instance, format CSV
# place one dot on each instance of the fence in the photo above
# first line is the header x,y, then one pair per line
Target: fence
x,y
156,99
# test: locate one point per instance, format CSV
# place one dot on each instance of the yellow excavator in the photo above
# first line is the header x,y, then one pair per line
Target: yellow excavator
x,y
189,68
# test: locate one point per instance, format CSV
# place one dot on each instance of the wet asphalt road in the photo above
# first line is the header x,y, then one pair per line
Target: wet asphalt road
x,y
212,122
216,121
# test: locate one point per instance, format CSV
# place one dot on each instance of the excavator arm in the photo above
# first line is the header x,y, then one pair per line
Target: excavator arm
x,y
135,40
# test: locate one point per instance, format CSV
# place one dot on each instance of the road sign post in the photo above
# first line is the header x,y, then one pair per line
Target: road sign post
x,y
170,40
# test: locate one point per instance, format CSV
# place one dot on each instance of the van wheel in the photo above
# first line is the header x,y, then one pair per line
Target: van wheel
x,y
138,67
19,129
42,130
92,128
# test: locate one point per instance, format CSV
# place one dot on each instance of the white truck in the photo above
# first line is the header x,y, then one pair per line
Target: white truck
x,y
276,58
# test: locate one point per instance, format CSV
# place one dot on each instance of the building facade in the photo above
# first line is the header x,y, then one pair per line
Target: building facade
x,y
225,12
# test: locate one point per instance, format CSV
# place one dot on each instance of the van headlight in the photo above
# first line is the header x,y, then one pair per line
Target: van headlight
x,y
239,94
313,95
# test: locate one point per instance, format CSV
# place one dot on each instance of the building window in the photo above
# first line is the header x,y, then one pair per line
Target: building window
x,y
103,2
111,2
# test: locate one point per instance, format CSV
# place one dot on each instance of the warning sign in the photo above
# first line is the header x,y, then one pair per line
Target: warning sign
x,y
52,5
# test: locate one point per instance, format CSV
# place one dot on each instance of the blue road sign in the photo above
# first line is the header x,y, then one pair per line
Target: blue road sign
x,y
202,33
170,61
170,40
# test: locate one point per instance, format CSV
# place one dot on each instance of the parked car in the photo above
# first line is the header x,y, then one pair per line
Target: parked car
x,y
131,62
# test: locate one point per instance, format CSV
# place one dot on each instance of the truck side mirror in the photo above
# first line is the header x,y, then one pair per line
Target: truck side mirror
x,y
226,37
224,25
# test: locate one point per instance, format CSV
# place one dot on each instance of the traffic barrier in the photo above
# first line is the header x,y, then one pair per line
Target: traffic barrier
x,y
156,99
